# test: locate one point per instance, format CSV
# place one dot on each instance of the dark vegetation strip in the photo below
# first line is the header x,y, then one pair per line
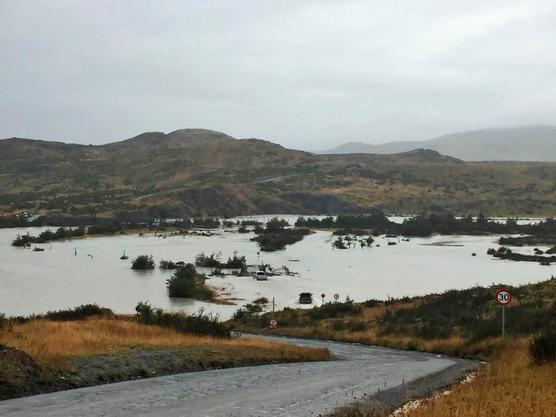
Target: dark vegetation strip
x,y
508,254
440,223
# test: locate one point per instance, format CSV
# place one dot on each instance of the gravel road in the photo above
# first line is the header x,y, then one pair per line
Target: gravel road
x,y
297,389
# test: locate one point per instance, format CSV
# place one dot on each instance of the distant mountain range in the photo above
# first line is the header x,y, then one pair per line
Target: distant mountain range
x,y
199,172
535,143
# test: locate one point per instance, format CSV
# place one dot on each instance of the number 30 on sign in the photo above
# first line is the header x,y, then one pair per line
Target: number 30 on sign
x,y
503,297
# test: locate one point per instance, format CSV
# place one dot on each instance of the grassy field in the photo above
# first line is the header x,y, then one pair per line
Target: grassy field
x,y
55,343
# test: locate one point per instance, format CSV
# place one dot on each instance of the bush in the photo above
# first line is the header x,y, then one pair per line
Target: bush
x,y
77,313
236,262
168,265
339,243
332,310
187,283
200,323
211,261
275,225
543,347
143,262
22,240
277,240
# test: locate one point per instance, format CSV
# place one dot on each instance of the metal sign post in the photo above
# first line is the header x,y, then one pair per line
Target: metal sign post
x,y
503,297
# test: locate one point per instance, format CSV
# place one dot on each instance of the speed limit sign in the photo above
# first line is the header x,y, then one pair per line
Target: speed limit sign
x,y
503,297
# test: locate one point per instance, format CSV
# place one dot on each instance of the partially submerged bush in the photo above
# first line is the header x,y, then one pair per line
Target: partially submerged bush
x,y
543,347
210,261
168,265
143,262
213,261
339,243
187,283
199,323
277,240
22,240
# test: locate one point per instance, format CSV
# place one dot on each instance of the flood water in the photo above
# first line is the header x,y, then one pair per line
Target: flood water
x,y
35,282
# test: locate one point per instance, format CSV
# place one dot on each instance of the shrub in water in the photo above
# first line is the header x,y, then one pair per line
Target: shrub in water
x,y
143,262
168,265
210,261
187,283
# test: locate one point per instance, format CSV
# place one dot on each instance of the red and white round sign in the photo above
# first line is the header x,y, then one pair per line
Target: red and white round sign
x,y
273,323
503,297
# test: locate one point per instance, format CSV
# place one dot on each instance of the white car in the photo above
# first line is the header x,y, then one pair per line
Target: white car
x,y
260,276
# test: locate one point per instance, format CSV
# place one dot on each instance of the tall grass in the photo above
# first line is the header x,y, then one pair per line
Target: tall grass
x,y
509,387
54,343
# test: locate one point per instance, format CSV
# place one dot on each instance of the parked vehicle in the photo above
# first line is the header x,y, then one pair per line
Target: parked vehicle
x,y
305,298
260,276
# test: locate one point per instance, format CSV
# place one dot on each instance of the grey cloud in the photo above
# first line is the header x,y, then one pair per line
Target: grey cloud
x,y
308,74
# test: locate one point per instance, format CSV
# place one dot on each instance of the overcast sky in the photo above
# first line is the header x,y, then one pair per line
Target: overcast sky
x,y
306,74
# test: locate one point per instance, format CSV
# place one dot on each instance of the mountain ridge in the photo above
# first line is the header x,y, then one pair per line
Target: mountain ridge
x,y
527,143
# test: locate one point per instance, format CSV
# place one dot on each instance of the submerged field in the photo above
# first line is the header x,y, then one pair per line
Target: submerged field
x,y
83,271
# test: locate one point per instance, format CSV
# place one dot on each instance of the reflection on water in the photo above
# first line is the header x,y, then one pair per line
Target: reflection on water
x,y
82,271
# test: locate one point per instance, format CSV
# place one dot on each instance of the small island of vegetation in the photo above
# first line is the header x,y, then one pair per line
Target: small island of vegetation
x,y
143,262
186,282
275,236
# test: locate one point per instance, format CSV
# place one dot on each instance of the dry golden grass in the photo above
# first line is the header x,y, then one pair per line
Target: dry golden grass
x,y
509,387
54,343
456,345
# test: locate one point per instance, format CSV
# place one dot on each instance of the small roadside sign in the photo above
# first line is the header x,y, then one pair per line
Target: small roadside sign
x,y
336,297
503,297
273,323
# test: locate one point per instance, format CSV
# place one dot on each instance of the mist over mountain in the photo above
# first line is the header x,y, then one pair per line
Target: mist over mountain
x,y
533,143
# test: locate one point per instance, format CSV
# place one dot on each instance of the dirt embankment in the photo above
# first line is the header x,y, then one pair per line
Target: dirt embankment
x,y
20,375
